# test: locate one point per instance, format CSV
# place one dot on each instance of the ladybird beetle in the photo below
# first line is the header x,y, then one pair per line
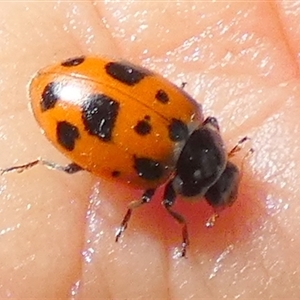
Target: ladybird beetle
x,y
125,123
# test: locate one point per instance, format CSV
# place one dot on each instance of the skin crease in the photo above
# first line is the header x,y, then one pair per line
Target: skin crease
x,y
241,62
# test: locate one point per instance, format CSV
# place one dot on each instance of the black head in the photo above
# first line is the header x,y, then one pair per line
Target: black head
x,y
201,162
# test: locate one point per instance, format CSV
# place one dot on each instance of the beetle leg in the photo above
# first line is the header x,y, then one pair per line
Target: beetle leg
x,y
239,146
70,168
212,220
183,85
146,198
168,202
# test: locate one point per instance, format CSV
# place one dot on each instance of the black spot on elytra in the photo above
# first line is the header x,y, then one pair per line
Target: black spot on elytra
x,y
148,168
66,135
143,127
99,114
178,131
115,173
162,96
72,62
50,95
126,73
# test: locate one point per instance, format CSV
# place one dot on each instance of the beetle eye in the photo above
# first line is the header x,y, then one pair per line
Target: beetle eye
x,y
224,192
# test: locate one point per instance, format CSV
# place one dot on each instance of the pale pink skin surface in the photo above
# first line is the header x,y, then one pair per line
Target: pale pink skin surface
x,y
241,61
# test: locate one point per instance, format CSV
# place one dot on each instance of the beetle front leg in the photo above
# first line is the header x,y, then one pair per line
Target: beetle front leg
x,y
146,198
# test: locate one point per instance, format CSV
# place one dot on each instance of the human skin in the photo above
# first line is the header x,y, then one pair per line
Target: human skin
x,y
241,61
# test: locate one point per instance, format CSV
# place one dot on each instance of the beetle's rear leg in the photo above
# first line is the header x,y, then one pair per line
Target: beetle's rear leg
x,y
70,168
